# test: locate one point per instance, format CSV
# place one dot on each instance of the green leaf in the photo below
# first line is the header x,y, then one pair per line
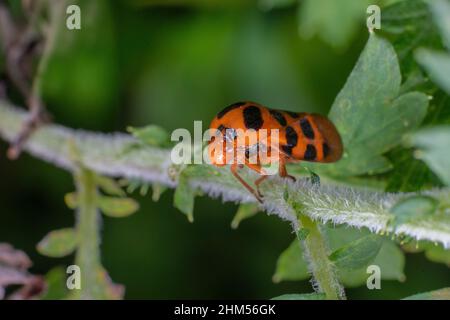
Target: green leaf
x,y
441,294
58,243
71,200
151,135
325,18
109,186
391,261
413,208
245,211
437,65
358,253
441,11
369,113
434,150
301,296
390,258
117,207
184,197
291,265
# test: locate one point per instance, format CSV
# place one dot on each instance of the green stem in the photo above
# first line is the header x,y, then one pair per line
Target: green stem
x,y
57,13
316,253
88,253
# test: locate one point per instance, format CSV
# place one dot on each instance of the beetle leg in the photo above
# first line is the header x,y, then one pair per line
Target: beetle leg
x,y
258,182
234,168
283,172
257,168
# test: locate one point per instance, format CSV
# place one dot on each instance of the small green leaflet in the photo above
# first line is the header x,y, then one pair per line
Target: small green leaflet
x,y
58,243
245,211
184,197
185,194
117,207
71,200
390,258
357,254
111,206
109,186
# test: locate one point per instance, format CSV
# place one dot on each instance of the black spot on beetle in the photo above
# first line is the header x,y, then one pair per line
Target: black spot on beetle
x,y
306,128
278,116
253,118
287,149
291,136
227,132
310,153
292,114
325,149
229,108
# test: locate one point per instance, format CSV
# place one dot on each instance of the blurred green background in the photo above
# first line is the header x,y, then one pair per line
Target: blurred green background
x,y
142,62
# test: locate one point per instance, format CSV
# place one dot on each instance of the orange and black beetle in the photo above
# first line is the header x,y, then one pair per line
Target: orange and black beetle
x,y
302,136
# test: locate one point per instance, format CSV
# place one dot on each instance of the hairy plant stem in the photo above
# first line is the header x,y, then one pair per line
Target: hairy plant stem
x,y
120,155
316,253
88,253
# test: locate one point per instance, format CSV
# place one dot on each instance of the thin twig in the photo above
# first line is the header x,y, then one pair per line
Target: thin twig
x,y
16,45
13,45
